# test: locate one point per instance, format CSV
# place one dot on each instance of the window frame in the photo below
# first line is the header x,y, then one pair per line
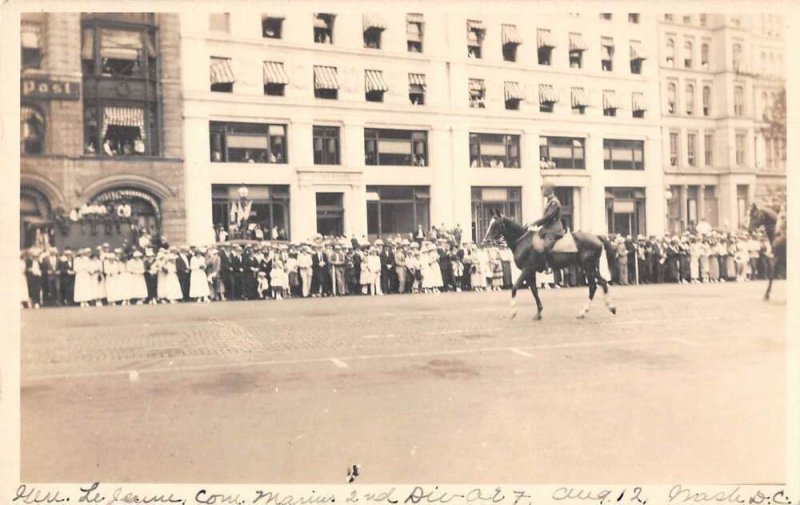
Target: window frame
x,y
373,135
223,128
324,35
271,19
609,148
326,133
546,144
509,141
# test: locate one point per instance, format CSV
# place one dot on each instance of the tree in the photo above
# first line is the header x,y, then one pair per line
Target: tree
x,y
776,121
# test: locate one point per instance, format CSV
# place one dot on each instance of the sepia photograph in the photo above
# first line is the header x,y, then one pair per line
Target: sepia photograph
x,y
383,242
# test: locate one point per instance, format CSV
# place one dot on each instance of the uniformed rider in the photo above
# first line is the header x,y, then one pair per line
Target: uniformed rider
x,y
550,227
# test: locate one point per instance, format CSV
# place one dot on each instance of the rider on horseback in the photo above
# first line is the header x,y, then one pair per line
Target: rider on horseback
x,y
550,227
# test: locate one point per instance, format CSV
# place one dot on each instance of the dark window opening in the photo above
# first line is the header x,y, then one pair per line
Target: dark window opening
x,y
546,106
510,52
326,145
576,59
372,38
31,58
636,66
323,28
374,96
273,89
545,55
328,94
222,87
272,28
513,104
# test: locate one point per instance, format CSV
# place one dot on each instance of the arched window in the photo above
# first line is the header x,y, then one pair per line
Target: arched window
x,y
688,50
34,212
145,208
31,130
671,52
672,97
704,56
690,99
706,100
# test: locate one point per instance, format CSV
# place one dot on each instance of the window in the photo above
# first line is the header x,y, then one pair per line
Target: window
x,y
607,54
545,43
673,149
485,200
670,52
688,49
580,101
736,21
269,210
247,142
669,18
275,78
769,149
30,42
633,18
672,98
738,100
691,148
121,115
326,145
605,15
576,48
623,154
219,22
709,148
326,83
31,130
374,85
493,150
610,103
395,147
737,57
562,152
415,24
323,28
475,35
547,98
638,105
272,27
477,94
706,100
222,78
687,20
397,209
416,89
373,29
764,106
740,149
690,99
513,95
703,19
704,55
637,56
511,40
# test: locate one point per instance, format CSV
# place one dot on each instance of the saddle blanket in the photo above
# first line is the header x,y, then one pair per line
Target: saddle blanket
x,y
565,244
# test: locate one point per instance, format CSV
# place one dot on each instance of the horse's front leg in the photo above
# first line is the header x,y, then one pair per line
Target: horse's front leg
x,y
535,291
522,276
773,268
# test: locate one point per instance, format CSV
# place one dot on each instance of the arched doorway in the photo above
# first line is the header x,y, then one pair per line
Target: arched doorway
x,y
145,209
35,216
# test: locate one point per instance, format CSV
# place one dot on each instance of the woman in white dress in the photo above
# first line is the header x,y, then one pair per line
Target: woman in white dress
x,y
374,268
98,279
124,278
172,287
84,284
136,282
436,270
476,277
426,270
160,264
198,282
114,287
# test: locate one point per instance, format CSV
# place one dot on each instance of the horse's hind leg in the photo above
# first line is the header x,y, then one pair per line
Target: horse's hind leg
x,y
773,267
535,292
606,297
592,289
522,276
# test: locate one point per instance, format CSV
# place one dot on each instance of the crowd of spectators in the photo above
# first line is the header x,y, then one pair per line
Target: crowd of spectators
x,y
431,262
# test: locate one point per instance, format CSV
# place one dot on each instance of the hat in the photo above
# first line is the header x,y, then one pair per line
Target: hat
x,y
105,245
137,254
378,242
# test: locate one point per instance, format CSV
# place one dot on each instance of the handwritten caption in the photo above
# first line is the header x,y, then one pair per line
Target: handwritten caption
x,y
100,494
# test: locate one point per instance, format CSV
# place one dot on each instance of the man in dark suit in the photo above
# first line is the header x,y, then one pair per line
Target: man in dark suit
x,y
387,268
250,266
237,273
318,263
51,283
66,275
184,272
226,273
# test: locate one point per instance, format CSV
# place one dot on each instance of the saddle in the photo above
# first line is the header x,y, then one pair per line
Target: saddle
x,y
565,244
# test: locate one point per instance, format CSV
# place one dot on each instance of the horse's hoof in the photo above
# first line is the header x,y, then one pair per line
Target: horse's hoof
x,y
766,298
580,316
613,310
537,317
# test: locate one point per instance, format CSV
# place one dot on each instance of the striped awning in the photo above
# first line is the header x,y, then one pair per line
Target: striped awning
x,y
475,25
416,80
513,91
638,103
576,42
637,53
374,21
274,73
373,81
545,38
120,44
607,41
610,100
29,35
123,116
579,98
415,18
510,35
325,78
547,94
477,85
321,20
221,71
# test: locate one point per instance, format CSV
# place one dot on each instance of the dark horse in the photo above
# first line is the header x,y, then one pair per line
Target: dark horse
x,y
590,252
777,239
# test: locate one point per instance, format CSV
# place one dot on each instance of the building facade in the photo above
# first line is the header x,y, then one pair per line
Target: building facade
x,y
100,125
360,124
720,76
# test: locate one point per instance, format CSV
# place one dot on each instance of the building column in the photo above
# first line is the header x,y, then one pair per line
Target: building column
x,y
197,182
596,192
684,207
531,176
443,184
303,209
355,211
701,203
461,187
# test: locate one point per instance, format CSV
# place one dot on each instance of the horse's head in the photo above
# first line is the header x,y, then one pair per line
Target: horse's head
x,y
495,229
755,218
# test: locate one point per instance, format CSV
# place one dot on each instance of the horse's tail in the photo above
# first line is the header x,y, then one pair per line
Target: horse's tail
x,y
602,267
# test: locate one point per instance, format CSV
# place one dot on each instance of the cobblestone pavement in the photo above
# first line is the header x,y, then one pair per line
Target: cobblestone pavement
x,y
88,373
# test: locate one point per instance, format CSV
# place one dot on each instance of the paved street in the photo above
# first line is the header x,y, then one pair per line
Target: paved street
x,y
685,384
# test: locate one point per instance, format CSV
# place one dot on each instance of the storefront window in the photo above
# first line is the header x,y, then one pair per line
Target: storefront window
x,y
487,200
241,212
397,209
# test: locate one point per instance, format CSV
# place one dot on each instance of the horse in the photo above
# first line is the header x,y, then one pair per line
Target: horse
x,y
591,249
777,238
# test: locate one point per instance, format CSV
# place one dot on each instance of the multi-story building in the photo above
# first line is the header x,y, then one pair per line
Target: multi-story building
x,y
720,77
371,124
100,123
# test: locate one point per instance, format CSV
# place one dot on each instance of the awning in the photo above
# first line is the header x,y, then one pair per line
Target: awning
x,y
221,71
325,78
636,51
610,100
374,81
576,42
579,98
321,21
510,35
606,46
123,116
547,94
120,44
374,22
513,91
638,102
545,38
274,73
414,31
29,35
476,85
473,25
415,18
416,82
